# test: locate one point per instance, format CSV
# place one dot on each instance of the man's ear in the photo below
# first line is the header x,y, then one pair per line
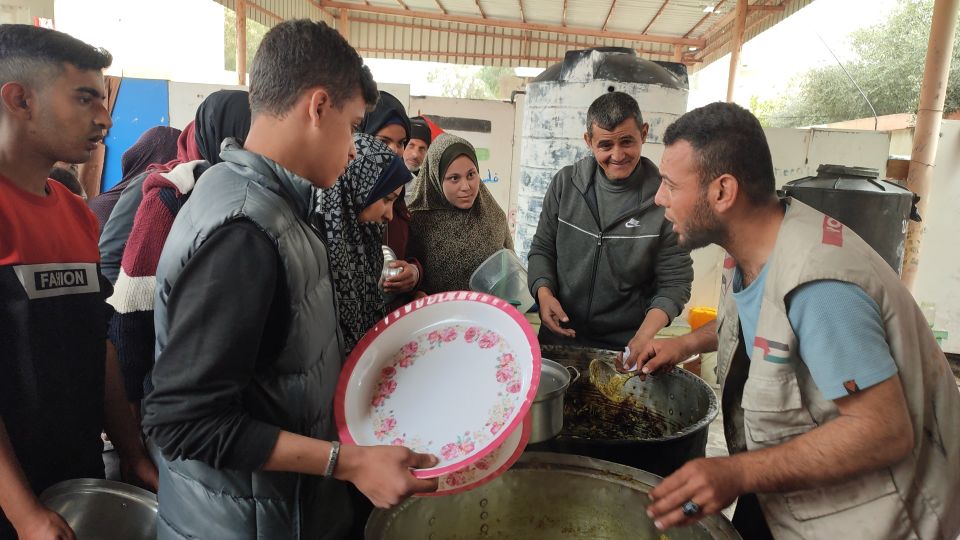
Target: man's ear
x,y
586,139
16,99
723,193
644,131
319,106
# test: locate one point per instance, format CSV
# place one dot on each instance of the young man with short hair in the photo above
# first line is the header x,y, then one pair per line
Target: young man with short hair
x,y
59,378
249,352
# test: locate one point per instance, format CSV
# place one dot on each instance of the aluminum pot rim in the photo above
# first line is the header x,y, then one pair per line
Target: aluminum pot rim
x,y
79,486
717,525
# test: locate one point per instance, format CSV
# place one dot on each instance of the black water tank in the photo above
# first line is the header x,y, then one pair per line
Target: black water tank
x,y
877,210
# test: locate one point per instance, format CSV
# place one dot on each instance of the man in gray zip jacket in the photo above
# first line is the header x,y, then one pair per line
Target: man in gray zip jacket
x,y
604,264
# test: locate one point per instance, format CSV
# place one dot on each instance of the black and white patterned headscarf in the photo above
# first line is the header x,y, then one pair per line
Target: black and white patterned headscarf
x,y
355,253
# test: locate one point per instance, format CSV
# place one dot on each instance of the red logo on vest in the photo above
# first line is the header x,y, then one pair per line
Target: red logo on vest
x,y
728,262
832,232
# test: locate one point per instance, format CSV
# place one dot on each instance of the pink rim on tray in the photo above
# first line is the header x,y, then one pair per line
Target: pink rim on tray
x,y
452,374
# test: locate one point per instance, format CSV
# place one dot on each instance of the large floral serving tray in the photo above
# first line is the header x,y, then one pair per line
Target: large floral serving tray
x,y
452,375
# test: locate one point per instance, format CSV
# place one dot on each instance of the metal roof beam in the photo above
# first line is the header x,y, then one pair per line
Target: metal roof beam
x,y
343,24
501,23
439,5
738,32
252,5
714,46
613,4
487,56
531,39
705,17
479,7
241,28
728,18
523,16
404,6
563,16
659,11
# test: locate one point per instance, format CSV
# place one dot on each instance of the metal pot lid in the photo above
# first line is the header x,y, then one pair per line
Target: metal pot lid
x,y
554,380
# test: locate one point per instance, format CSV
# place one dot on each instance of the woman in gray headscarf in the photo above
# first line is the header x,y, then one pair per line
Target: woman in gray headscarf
x,y
456,223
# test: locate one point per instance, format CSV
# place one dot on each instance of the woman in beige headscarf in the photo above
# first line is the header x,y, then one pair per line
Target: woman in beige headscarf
x,y
456,224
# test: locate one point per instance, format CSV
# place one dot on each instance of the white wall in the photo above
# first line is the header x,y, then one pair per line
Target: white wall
x,y
497,171
938,278
24,11
186,97
901,142
399,91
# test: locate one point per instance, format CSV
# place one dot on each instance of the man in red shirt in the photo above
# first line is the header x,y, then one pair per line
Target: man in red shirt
x,y
59,379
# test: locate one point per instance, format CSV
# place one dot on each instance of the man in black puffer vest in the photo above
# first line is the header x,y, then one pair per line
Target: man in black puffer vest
x,y
248,349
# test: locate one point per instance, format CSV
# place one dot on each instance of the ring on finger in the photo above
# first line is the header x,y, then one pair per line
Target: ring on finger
x,y
690,508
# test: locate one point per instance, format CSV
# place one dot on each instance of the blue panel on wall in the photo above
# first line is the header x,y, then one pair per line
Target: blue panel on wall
x,y
141,104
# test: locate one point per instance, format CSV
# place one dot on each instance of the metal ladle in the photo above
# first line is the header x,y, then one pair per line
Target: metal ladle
x,y
610,380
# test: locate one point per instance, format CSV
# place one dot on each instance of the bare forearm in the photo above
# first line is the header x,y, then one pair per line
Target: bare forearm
x,y
16,497
701,340
305,455
654,321
297,453
827,455
873,431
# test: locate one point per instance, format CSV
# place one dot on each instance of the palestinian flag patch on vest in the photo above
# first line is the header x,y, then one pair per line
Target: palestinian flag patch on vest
x,y
851,386
775,352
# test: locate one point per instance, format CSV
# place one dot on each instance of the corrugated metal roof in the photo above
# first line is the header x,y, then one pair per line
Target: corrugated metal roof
x,y
718,40
529,32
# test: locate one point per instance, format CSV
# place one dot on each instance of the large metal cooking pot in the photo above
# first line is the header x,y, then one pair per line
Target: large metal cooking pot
x,y
543,496
662,423
547,408
104,509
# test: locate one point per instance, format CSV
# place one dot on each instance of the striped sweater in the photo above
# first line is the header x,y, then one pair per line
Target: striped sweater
x,y
131,328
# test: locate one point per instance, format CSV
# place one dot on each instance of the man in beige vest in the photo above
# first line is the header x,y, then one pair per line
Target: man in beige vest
x,y
840,412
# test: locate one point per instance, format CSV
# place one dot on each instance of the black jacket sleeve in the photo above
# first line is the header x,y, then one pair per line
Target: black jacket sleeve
x,y
218,311
674,271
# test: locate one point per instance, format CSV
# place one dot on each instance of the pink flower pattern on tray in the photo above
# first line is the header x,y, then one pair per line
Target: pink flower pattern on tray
x,y
507,375
468,475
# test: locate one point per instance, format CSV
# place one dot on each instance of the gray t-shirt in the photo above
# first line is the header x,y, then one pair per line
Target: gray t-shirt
x,y
611,202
